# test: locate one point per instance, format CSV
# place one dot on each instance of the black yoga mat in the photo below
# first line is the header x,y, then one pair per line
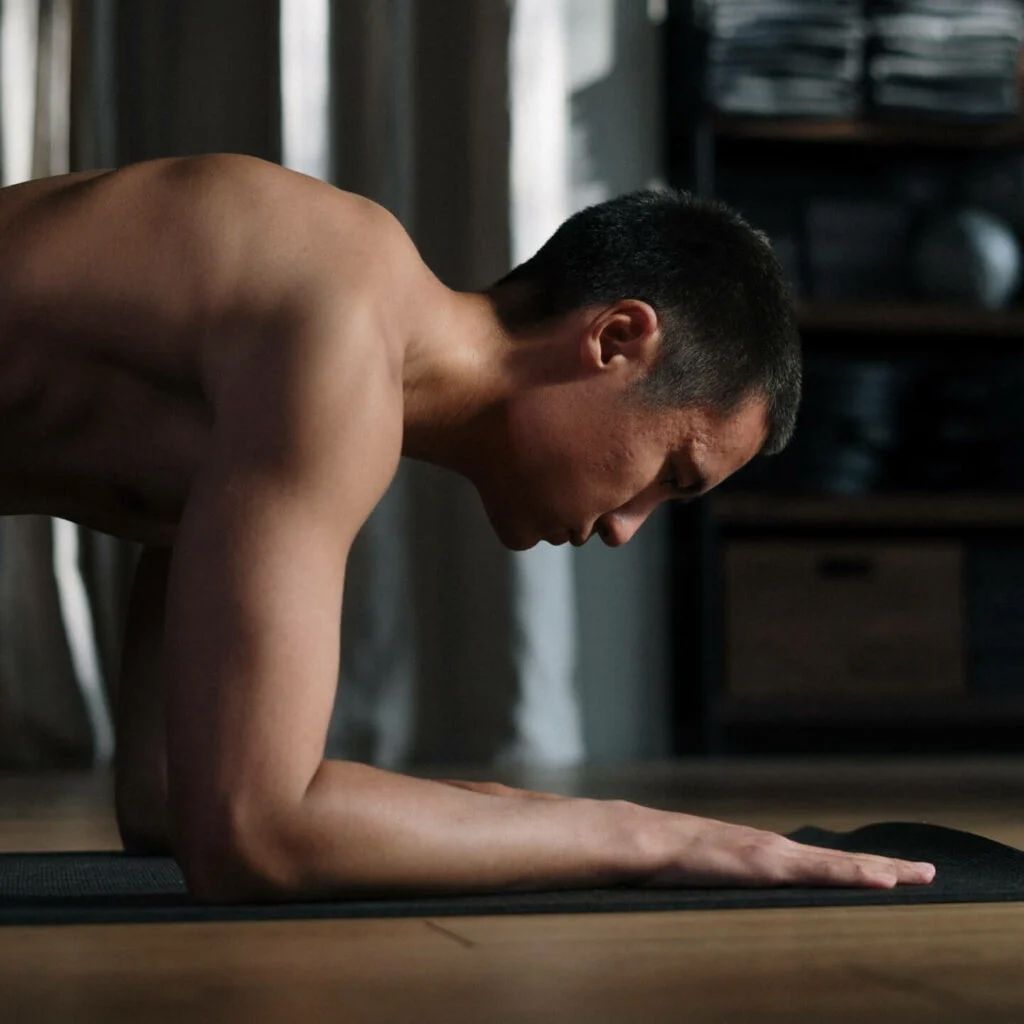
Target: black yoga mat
x,y
94,887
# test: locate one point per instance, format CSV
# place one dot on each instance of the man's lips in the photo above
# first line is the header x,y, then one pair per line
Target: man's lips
x,y
557,539
574,537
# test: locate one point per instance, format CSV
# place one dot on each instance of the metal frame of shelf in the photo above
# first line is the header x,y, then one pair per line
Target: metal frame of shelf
x,y
891,131
956,512
931,322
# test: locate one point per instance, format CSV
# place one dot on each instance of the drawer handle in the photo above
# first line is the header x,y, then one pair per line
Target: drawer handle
x,y
845,568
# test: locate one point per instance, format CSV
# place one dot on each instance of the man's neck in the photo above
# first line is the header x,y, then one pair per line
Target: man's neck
x,y
454,379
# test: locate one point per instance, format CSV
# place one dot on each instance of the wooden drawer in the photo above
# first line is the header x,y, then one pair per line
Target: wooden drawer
x,y
845,619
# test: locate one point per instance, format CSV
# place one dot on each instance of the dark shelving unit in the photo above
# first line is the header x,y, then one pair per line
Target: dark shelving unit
x,y
708,719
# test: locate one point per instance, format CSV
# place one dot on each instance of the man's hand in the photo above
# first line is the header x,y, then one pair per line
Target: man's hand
x,y
688,851
703,852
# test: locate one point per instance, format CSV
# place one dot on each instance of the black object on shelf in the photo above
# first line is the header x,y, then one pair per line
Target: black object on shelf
x,y
849,427
856,246
964,427
908,423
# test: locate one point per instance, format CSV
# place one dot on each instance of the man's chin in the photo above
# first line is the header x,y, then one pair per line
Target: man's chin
x,y
516,542
525,546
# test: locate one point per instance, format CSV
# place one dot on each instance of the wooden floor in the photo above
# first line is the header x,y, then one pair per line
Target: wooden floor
x,y
956,962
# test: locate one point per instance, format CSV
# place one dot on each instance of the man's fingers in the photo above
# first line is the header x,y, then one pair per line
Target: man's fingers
x,y
861,868
693,851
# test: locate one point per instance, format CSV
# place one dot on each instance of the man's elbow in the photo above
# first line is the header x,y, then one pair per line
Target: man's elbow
x,y
233,857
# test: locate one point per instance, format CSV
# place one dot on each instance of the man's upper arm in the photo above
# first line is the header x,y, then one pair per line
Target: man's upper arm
x,y
302,450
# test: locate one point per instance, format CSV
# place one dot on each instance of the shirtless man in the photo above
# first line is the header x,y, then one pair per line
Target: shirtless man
x,y
224,360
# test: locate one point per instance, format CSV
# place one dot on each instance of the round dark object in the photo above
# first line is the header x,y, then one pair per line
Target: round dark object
x,y
995,182
967,256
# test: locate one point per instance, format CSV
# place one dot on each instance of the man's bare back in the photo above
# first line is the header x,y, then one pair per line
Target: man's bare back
x,y
225,360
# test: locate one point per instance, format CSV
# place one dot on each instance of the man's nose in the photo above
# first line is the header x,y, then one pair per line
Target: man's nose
x,y
618,527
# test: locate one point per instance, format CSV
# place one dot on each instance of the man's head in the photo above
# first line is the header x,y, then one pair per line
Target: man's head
x,y
671,352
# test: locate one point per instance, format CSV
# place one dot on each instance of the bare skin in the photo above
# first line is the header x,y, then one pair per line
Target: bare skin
x,y
225,361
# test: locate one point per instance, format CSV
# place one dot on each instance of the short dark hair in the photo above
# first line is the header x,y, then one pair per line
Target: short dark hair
x,y
726,313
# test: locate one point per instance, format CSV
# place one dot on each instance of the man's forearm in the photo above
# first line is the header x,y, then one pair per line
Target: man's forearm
x,y
363,831
366,830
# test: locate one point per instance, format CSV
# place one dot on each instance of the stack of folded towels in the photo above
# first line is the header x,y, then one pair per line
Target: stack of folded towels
x,y
947,58
786,57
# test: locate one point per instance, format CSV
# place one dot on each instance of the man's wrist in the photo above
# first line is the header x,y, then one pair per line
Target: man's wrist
x,y
628,854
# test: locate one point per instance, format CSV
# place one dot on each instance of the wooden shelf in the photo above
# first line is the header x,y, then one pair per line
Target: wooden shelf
x,y
854,131
906,711
909,319
953,511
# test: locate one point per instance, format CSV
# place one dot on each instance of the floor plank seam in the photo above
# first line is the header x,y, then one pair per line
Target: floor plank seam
x,y
460,939
913,986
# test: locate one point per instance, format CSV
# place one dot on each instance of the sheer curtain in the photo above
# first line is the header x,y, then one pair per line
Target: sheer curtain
x,y
454,648
54,655
482,126
92,84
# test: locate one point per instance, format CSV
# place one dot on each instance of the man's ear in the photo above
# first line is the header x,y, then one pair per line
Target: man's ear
x,y
628,330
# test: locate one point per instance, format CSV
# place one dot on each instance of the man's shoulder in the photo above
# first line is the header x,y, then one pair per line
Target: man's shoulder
x,y
308,206
324,245
332,352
